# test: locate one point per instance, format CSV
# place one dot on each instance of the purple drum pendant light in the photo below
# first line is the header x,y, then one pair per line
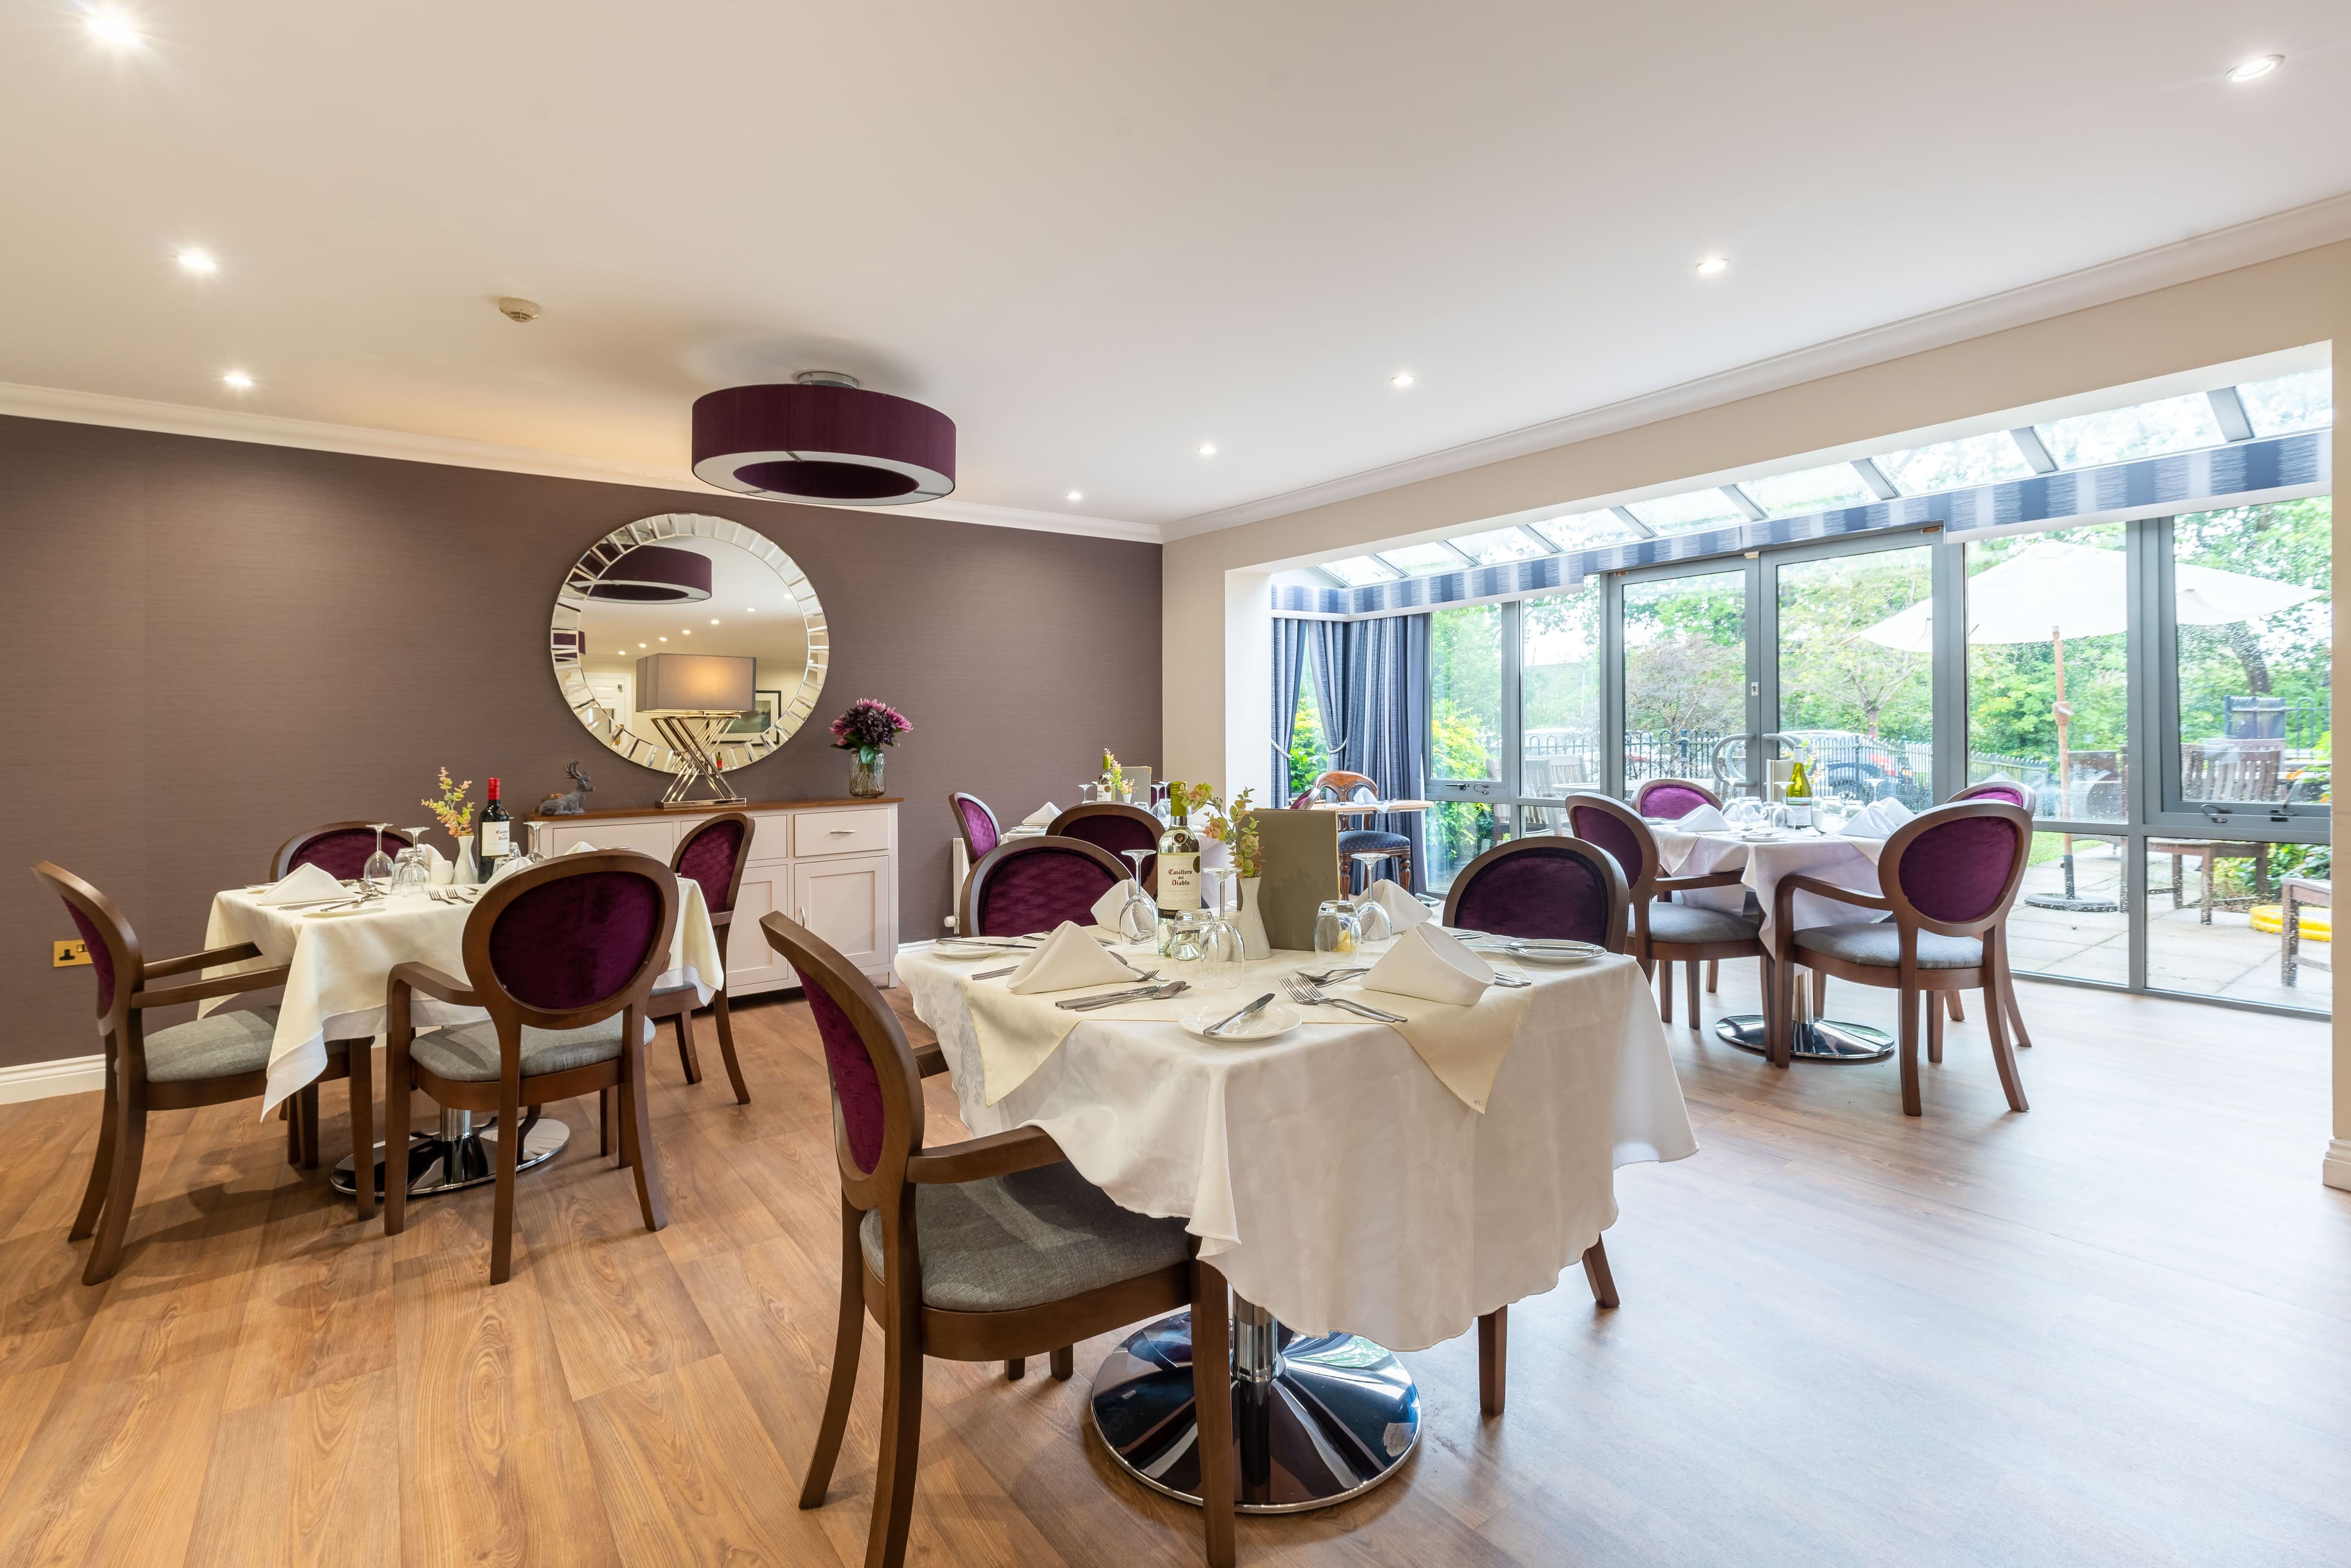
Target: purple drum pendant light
x,y
656,574
823,438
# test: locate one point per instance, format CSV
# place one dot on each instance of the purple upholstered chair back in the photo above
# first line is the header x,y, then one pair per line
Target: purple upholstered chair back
x,y
575,941
1672,799
341,849
101,957
1545,886
875,1083
976,823
855,1084
1034,884
1117,829
1597,820
709,856
1960,864
1997,789
113,946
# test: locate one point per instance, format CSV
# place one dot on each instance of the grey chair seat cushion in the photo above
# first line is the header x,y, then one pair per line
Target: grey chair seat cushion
x,y
221,1046
1878,943
1693,923
1023,1239
469,1053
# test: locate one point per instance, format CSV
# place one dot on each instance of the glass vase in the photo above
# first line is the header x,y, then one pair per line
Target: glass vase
x,y
865,774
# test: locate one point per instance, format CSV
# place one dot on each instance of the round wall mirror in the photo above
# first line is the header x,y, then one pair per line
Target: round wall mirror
x,y
688,610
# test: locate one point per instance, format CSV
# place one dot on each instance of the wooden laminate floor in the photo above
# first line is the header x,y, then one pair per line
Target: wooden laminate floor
x,y
2115,1330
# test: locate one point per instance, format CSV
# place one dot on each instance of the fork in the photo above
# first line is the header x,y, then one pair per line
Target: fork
x,y
1302,990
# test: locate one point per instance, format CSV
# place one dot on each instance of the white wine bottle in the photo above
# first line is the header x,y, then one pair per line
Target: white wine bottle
x,y
1178,870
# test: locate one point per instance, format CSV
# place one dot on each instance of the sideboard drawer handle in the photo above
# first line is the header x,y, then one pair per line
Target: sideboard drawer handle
x,y
842,832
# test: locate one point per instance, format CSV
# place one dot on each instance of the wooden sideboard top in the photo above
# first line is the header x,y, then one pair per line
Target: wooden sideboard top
x,y
712,808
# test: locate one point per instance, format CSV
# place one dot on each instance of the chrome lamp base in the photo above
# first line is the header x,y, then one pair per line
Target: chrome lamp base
x,y
1316,1419
462,1153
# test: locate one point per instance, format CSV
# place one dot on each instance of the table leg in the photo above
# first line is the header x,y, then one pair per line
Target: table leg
x,y
1816,1039
1316,1418
460,1153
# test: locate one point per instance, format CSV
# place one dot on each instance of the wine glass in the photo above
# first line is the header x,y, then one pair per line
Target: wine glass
x,y
412,872
1138,917
377,873
1226,957
1188,944
532,853
1337,928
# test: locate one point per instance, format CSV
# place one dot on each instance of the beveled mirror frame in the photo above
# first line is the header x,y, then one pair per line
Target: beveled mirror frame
x,y
570,601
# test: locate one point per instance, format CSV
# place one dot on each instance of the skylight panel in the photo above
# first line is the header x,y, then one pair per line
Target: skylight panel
x,y
1359,572
2289,404
1498,544
2147,430
1420,560
1955,465
1808,490
1695,509
1586,531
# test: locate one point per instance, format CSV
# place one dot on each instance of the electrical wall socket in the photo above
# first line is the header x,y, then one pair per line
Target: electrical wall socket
x,y
66,954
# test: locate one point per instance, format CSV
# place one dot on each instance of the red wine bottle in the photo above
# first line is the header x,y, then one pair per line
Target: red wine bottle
x,y
493,838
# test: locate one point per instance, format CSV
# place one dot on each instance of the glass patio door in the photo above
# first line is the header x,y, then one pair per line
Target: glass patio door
x,y
1853,645
1688,676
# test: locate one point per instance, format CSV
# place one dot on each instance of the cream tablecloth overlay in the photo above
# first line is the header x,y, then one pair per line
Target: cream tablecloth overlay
x,y
1329,1173
339,968
1847,863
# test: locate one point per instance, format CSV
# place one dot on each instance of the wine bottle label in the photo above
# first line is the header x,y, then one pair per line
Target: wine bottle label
x,y
496,840
1179,883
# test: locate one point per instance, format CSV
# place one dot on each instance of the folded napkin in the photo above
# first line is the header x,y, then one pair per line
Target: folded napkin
x,y
1430,964
579,849
1042,817
1704,819
1877,820
1071,957
1404,910
1106,907
308,882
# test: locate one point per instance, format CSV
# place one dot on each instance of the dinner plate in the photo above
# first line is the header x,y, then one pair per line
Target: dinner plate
x,y
1275,1019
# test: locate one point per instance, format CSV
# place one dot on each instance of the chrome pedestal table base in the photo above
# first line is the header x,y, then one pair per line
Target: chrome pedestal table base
x,y
1817,1039
1316,1418
462,1153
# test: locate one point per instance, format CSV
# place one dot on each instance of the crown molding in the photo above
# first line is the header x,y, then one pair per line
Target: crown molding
x,y
361,440
2319,223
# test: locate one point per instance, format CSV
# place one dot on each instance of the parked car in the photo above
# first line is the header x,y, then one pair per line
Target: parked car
x,y
1853,766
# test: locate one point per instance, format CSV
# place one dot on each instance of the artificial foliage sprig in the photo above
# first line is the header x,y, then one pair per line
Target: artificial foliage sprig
x,y
1113,772
1237,825
454,810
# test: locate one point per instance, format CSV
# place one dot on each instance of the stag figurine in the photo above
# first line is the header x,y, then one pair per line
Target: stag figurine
x,y
572,805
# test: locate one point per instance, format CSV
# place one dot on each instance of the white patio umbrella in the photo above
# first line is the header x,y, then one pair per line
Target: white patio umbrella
x,y
2051,591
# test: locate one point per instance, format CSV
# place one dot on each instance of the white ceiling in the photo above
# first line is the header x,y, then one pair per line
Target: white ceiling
x,y
1095,236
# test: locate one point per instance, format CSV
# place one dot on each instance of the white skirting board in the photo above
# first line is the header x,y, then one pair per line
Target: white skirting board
x,y
2336,1172
40,1079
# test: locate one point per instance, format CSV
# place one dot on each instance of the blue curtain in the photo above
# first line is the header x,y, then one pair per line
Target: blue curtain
x,y
1383,681
1326,650
1289,661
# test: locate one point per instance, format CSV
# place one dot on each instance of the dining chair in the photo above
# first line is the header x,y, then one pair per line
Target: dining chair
x,y
1338,784
989,1249
976,823
1948,877
1116,828
338,849
1672,799
712,856
562,955
2006,790
210,1060
1665,932
1564,888
1034,884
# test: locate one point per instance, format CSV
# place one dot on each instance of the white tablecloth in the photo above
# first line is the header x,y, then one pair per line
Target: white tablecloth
x,y
1847,863
1703,854
1329,1174
339,968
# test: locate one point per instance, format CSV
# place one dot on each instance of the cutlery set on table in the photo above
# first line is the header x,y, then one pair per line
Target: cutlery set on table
x,y
356,897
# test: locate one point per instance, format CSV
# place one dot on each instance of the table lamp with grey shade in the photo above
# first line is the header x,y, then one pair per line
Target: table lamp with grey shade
x,y
691,698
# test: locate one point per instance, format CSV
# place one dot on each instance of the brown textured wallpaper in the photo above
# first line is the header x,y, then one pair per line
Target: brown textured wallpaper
x,y
216,645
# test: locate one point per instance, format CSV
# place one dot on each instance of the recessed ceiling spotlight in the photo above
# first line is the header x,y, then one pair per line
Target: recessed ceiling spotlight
x,y
713,621
1713,265
689,632
115,28
1075,496
197,261
2255,70
236,379
1208,449
1401,379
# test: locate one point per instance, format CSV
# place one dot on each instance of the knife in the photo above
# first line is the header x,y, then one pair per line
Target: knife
x,y
1258,1005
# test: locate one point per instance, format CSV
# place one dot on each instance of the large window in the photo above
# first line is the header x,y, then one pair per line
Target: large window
x,y
2048,669
1310,745
1559,749
1685,672
1856,682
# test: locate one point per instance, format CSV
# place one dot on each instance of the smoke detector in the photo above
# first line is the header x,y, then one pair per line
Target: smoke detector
x,y
515,309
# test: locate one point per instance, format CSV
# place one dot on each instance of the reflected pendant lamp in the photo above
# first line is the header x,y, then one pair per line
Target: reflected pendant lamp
x,y
823,438
656,574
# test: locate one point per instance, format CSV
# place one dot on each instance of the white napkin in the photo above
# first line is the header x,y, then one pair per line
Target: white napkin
x,y
1107,907
308,882
442,870
578,848
1705,818
507,867
1071,957
1042,817
1877,820
1428,964
1404,910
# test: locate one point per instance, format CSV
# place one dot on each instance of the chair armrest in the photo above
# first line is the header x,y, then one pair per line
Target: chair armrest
x,y
434,983
976,1159
1683,883
1789,887
160,967
220,986
930,1061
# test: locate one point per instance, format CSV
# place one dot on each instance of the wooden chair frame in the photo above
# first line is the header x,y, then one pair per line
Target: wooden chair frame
x,y
1494,1327
1060,829
678,1006
1641,791
1332,783
512,1092
113,1189
281,863
1992,976
1648,883
994,862
912,1330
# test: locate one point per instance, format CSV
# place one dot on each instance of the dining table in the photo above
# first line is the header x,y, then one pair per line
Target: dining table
x,y
1363,1186
1762,856
340,955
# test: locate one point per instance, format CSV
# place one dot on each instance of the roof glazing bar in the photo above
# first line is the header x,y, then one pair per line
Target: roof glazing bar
x,y
1624,514
1879,485
2229,410
1744,502
2028,442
